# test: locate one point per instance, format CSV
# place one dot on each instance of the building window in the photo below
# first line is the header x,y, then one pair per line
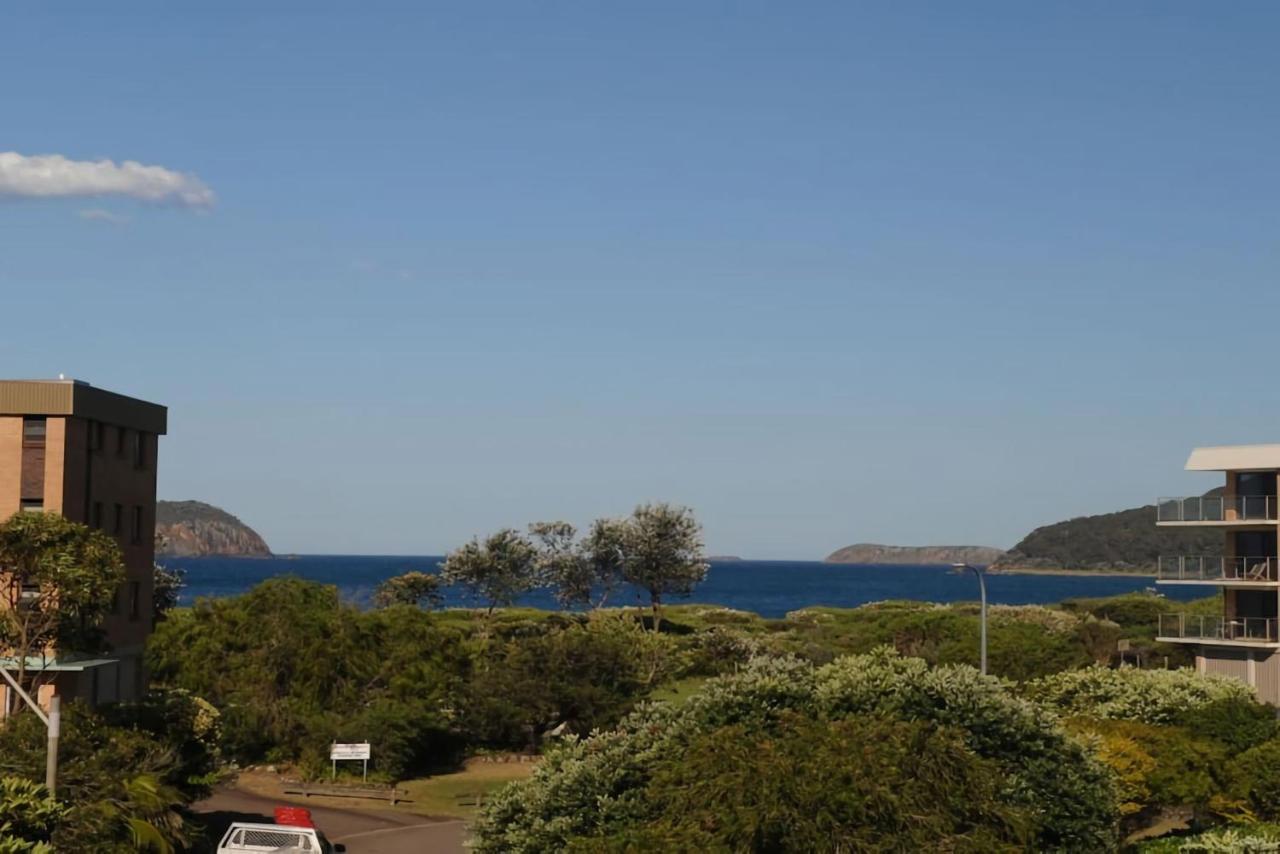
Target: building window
x,y
115,602
135,532
97,432
135,599
139,450
117,521
120,440
33,505
33,431
97,515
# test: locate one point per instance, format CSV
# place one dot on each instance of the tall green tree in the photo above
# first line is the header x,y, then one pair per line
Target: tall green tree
x,y
662,553
59,580
496,570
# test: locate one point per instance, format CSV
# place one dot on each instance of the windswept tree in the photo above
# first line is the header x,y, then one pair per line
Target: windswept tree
x,y
561,562
582,572
58,579
496,570
661,553
412,588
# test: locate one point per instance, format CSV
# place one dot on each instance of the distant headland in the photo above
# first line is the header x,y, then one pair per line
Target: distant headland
x,y
196,529
878,553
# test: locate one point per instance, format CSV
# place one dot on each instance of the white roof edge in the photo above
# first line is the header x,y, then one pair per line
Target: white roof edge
x,y
1234,458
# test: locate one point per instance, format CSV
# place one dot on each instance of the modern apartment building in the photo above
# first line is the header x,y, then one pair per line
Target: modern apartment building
x,y
90,455
1242,641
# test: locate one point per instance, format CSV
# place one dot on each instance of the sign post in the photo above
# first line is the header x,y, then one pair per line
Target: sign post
x,y
349,751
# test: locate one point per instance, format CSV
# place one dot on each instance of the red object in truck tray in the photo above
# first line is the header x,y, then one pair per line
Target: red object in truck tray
x,y
294,816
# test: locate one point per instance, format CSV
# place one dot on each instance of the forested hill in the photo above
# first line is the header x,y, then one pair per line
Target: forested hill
x,y
193,528
1125,541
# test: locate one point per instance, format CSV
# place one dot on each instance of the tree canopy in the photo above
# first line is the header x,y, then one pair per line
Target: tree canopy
x,y
421,589
497,570
60,580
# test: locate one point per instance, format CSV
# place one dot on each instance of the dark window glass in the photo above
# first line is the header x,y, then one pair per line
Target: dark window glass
x,y
139,450
117,523
135,599
33,431
120,437
97,515
96,435
135,533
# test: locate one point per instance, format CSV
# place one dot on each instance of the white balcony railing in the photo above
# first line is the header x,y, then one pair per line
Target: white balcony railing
x,y
1217,508
1210,569
1228,629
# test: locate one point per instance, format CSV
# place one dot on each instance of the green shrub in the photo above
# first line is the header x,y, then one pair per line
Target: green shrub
x,y
808,785
1255,779
1184,769
1238,722
1149,696
28,817
1239,839
597,787
585,675
298,669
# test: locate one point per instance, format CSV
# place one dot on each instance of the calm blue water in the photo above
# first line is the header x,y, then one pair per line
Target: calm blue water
x,y
770,588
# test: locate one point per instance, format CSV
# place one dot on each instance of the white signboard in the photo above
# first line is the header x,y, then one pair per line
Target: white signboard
x,y
349,751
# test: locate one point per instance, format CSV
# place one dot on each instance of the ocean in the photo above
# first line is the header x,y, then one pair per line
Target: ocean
x,y
768,587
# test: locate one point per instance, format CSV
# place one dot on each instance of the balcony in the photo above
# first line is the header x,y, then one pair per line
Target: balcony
x,y
1206,569
1225,631
1217,510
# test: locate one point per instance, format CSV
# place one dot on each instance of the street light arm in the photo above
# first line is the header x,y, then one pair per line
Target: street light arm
x,y
35,707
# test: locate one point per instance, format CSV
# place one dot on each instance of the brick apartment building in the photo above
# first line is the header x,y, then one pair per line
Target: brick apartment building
x,y
90,455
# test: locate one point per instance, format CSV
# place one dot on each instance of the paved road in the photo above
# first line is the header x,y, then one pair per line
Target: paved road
x,y
362,831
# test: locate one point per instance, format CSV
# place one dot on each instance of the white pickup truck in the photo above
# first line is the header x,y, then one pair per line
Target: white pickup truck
x,y
275,839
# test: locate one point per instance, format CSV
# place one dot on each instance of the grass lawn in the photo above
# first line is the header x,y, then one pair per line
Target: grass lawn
x,y
454,794
678,691
444,795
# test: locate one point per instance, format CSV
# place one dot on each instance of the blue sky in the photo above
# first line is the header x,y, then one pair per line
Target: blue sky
x,y
897,272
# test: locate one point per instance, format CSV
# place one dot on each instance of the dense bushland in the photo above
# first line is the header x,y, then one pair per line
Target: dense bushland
x,y
297,668
1019,776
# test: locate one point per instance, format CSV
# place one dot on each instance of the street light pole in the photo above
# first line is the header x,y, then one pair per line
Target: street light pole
x,y
982,589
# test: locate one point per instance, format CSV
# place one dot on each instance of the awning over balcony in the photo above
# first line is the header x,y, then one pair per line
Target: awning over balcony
x,y
1235,458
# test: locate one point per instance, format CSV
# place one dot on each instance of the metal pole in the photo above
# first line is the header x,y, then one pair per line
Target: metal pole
x,y
55,728
982,589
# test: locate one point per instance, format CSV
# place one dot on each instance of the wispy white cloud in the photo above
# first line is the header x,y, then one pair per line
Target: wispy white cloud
x,y
100,215
52,175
